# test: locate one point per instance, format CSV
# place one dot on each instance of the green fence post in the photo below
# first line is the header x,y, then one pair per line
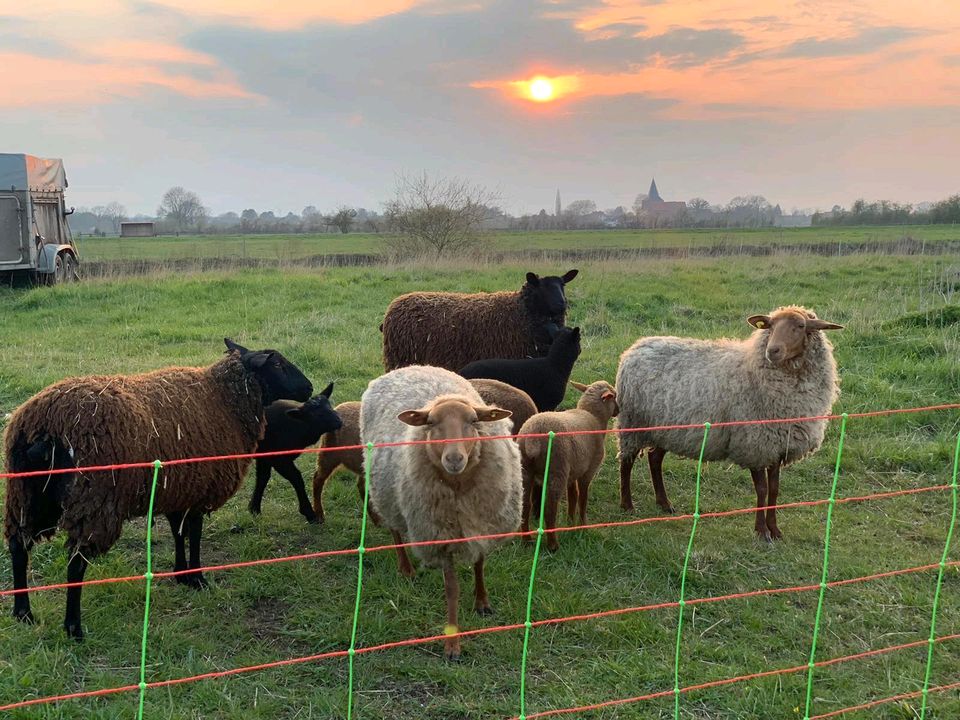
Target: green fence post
x,y
533,574
360,551
936,594
148,577
826,561
683,575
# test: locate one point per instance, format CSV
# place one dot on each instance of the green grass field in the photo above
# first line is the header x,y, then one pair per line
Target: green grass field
x,y
899,349
293,247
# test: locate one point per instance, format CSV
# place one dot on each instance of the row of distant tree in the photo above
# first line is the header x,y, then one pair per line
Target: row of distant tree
x,y
890,213
419,198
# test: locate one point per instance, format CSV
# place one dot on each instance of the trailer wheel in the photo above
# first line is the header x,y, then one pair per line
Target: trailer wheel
x,y
65,268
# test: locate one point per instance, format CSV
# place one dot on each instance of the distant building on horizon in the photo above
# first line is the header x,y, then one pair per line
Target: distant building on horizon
x,y
559,206
656,208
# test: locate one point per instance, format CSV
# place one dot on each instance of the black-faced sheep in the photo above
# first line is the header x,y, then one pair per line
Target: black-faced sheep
x,y
450,330
439,491
292,426
574,459
493,392
174,413
543,379
785,369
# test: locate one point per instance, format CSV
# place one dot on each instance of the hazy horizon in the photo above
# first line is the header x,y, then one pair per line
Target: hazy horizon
x,y
281,105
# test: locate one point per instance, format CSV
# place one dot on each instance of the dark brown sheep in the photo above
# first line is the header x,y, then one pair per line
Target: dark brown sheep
x,y
493,392
449,330
168,414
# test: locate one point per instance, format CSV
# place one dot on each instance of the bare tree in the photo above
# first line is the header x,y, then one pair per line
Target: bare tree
x,y
698,203
437,215
182,209
116,213
342,219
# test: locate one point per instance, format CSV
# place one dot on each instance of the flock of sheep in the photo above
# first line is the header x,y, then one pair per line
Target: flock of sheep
x,y
461,369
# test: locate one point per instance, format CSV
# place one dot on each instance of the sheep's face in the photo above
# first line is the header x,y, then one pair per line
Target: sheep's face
x,y
788,329
279,378
549,298
452,426
318,413
599,394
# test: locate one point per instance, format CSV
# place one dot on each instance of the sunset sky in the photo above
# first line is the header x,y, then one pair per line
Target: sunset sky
x,y
277,105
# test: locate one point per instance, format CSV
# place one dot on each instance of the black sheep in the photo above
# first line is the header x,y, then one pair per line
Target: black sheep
x,y
293,426
543,379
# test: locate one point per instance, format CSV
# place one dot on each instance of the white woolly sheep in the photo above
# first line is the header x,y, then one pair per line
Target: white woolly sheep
x,y
574,459
784,369
439,491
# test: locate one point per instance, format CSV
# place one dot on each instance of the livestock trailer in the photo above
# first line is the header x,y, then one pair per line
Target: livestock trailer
x,y
34,235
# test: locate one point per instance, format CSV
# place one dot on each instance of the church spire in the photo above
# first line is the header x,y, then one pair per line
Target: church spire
x,y
558,203
653,194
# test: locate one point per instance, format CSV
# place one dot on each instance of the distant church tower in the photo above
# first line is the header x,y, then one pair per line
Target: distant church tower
x,y
557,214
653,194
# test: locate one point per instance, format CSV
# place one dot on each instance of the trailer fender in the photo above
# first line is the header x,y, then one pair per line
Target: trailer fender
x,y
47,258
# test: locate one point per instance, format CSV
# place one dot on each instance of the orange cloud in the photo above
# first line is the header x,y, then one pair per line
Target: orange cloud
x,y
145,51
290,14
85,82
838,55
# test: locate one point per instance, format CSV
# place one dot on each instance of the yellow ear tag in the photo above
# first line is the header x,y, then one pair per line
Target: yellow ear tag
x,y
760,324
450,630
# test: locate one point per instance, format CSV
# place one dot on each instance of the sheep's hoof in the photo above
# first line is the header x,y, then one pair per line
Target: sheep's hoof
x,y
73,630
254,509
24,617
452,655
775,533
626,504
486,610
195,581
764,535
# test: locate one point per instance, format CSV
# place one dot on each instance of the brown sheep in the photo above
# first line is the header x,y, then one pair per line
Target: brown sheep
x,y
174,413
574,459
450,330
493,392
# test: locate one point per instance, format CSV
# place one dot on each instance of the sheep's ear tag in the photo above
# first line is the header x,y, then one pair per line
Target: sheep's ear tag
x,y
761,324
492,414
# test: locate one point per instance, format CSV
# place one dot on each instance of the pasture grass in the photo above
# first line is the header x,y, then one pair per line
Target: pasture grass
x,y
899,349
286,248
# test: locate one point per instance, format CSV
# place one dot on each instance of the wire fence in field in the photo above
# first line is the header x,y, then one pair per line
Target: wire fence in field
x,y
677,692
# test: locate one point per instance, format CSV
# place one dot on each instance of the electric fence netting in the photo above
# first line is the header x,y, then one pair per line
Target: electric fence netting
x,y
928,685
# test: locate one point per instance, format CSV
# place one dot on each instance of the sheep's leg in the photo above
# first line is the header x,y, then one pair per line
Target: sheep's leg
x,y
773,489
535,497
626,468
553,491
180,552
288,469
451,588
20,556
371,511
573,496
584,493
655,458
481,603
760,483
325,466
75,571
403,560
195,529
525,508
263,477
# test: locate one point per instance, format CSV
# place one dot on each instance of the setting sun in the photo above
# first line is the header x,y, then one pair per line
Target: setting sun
x,y
541,89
